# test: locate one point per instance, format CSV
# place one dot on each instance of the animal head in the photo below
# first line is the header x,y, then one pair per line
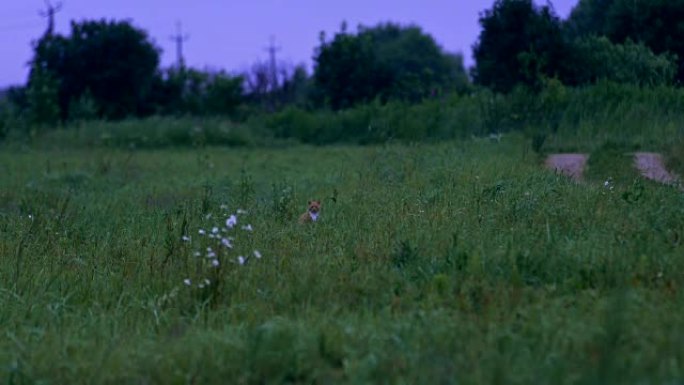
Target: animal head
x,y
314,207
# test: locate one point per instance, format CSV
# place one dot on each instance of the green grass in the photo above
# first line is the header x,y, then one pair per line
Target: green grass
x,y
461,262
612,162
675,156
567,119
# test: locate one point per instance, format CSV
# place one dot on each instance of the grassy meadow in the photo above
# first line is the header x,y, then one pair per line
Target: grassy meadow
x,y
459,262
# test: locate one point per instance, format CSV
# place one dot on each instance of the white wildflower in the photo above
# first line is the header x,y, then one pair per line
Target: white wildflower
x,y
608,184
187,282
257,254
212,236
231,221
215,230
224,206
241,211
202,232
197,254
211,254
247,228
241,260
186,238
208,216
215,262
200,286
226,243
206,281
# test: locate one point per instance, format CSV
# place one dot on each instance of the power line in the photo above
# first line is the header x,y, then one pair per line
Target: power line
x,y
50,15
179,38
272,49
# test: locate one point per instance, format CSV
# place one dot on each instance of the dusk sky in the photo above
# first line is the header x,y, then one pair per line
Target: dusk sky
x,y
233,34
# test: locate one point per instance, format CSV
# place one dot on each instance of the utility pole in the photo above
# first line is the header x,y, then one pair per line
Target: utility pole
x,y
272,50
50,15
179,38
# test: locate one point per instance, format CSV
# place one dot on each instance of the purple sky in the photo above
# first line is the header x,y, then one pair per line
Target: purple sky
x,y
232,34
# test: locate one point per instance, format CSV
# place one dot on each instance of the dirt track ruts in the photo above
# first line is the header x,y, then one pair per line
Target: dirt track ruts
x,y
649,164
571,165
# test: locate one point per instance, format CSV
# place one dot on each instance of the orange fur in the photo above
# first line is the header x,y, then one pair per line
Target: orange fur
x,y
311,213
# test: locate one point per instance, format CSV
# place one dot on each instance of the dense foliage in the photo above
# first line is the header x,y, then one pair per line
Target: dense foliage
x,y
189,91
112,62
388,62
524,44
522,48
658,24
456,262
520,43
165,248
596,59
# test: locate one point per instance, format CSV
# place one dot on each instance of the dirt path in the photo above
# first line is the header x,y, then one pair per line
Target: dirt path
x,y
571,165
651,166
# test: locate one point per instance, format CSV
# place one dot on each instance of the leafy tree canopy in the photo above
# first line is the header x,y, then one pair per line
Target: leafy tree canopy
x,y
112,61
596,58
387,61
520,43
658,24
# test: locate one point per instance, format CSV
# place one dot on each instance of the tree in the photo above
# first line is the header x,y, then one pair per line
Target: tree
x,y
290,85
111,60
588,17
658,24
223,93
295,87
596,58
191,91
386,62
520,43
258,83
43,108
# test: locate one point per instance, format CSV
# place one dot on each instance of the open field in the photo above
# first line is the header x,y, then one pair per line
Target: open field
x,y
462,262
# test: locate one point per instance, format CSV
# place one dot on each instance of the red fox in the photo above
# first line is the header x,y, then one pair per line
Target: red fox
x,y
311,215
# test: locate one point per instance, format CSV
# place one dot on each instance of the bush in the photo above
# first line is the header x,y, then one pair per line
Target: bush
x,y
389,62
564,117
675,156
596,58
156,132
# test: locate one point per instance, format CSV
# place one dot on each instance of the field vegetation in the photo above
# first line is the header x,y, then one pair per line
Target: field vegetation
x,y
148,216
462,261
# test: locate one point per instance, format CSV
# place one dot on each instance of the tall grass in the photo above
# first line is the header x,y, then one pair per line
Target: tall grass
x,y
150,133
460,262
675,155
561,118
570,118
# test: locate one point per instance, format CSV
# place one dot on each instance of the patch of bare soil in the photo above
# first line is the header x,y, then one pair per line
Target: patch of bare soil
x,y
651,166
571,165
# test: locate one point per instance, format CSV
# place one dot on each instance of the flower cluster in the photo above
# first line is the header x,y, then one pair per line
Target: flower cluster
x,y
215,245
608,184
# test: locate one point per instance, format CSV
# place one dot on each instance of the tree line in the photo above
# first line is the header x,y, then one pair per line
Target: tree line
x,y
111,69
